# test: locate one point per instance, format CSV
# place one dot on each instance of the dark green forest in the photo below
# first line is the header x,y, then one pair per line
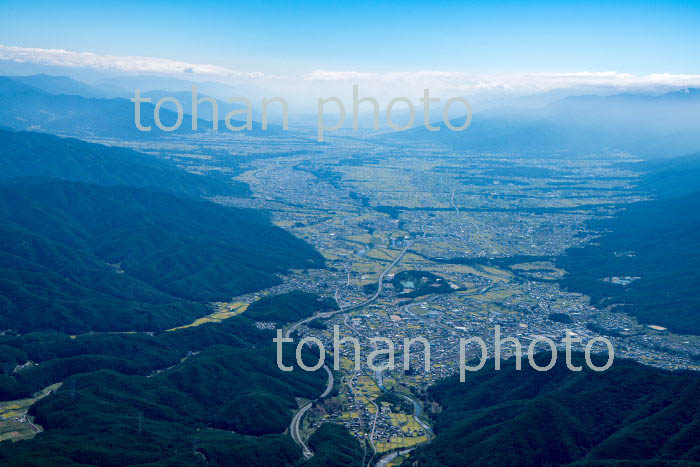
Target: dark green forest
x,y
289,307
107,239
657,243
628,413
209,392
419,283
334,446
31,154
97,240
79,257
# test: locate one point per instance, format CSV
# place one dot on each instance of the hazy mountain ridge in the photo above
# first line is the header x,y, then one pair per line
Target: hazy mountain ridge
x,y
25,107
644,125
62,85
26,154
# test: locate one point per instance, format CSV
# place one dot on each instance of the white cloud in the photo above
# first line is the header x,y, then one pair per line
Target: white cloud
x,y
126,64
463,82
304,88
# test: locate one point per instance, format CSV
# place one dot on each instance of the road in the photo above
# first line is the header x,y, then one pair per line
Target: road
x,y
417,412
374,422
354,393
384,461
380,285
452,201
296,420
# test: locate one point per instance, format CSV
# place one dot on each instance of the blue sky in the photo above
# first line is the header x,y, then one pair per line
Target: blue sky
x,y
632,37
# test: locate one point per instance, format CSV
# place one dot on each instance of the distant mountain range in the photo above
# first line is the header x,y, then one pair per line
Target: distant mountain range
x,y
42,103
109,89
643,125
204,110
64,85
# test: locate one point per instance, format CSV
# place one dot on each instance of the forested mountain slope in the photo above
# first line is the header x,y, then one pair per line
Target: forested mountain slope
x,y
629,413
78,257
656,244
31,154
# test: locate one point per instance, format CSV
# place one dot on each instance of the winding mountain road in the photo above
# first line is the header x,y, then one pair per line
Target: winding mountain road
x,y
296,420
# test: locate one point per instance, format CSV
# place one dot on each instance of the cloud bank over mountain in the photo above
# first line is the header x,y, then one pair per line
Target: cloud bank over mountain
x,y
307,86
